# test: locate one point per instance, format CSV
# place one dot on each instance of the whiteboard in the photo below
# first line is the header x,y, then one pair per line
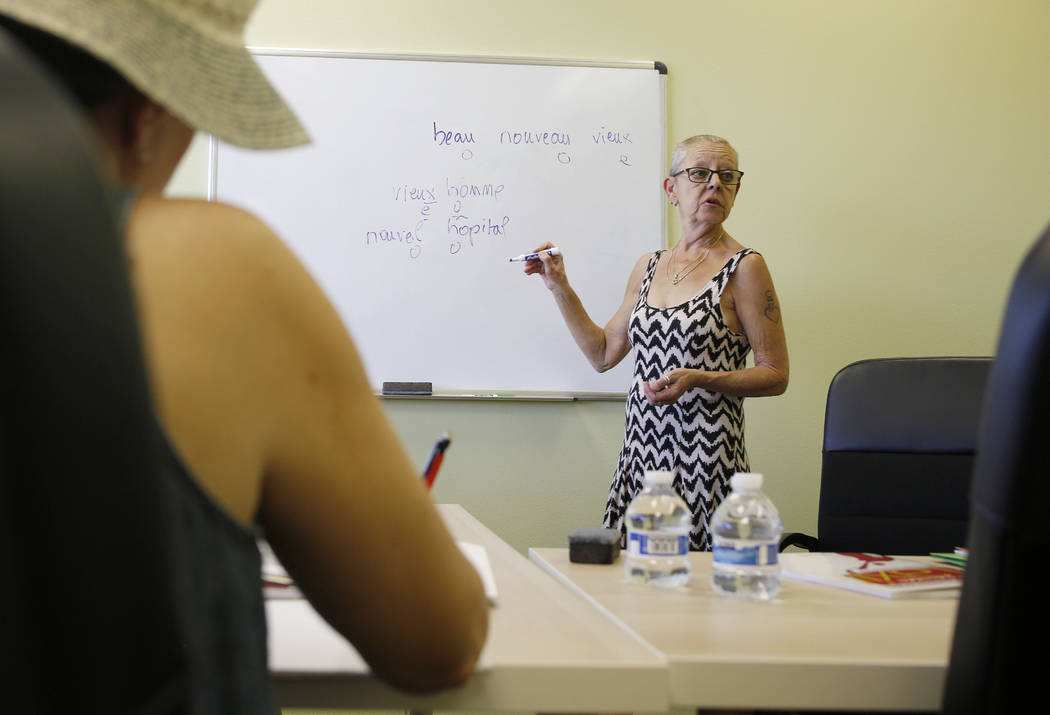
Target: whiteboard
x,y
426,175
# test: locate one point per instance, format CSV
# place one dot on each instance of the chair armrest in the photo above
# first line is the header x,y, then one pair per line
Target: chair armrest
x,y
795,538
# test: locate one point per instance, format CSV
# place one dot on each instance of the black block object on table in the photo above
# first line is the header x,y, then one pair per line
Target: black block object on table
x,y
594,546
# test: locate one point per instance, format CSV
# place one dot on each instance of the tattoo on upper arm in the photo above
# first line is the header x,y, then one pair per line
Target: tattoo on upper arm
x,y
772,312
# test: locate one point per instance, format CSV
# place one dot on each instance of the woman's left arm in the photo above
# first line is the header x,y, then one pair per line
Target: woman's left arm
x,y
751,296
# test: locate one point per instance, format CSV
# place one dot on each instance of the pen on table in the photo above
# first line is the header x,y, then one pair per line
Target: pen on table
x,y
436,456
533,256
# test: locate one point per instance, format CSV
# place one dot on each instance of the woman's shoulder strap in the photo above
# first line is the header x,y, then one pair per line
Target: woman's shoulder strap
x,y
735,259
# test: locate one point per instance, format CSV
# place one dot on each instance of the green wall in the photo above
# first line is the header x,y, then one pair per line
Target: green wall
x,y
897,156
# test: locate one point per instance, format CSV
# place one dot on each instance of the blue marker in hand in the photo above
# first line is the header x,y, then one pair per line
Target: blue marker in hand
x,y
533,256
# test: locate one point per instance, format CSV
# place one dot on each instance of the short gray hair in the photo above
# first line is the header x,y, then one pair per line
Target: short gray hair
x,y
680,150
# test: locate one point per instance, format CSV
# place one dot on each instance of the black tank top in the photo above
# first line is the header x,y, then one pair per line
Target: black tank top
x,y
219,577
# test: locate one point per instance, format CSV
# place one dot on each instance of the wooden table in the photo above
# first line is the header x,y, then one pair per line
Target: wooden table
x,y
547,650
812,647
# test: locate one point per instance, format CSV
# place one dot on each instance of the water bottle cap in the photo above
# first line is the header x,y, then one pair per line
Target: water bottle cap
x,y
746,482
659,477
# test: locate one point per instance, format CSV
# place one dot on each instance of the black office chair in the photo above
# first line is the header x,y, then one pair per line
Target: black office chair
x,y
899,436
1001,627
91,621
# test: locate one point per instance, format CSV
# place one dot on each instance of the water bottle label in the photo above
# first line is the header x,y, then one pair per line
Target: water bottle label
x,y
747,555
653,544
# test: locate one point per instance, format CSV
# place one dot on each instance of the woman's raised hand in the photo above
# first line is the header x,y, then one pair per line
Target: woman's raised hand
x,y
550,268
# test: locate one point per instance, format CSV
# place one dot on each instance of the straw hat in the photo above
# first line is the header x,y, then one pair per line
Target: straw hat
x,y
186,55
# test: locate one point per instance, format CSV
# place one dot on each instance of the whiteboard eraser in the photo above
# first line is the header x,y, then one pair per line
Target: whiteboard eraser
x,y
407,388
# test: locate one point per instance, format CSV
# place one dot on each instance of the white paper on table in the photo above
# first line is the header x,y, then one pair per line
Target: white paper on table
x,y
477,555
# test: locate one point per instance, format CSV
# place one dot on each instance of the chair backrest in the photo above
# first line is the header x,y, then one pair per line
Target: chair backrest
x,y
1002,622
899,439
91,620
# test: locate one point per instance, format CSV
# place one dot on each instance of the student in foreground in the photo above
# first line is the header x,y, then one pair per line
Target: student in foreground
x,y
262,402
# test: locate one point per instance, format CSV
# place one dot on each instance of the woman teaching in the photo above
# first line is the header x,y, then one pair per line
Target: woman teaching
x,y
692,314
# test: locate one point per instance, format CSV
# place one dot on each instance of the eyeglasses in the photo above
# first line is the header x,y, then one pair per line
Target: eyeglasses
x,y
700,175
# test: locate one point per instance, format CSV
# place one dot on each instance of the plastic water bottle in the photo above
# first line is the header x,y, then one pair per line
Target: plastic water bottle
x,y
746,529
658,526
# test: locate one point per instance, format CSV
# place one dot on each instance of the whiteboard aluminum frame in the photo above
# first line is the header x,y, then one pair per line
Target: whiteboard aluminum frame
x,y
654,65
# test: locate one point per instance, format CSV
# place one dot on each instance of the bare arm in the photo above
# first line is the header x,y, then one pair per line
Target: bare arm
x,y
604,347
346,512
751,296
259,377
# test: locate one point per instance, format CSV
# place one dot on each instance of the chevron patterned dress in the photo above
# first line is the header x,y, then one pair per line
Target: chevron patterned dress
x,y
701,437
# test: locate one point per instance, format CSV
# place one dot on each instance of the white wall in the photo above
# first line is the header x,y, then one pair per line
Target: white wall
x,y
897,156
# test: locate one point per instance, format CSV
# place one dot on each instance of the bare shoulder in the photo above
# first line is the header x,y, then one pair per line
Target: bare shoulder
x,y
228,316
640,267
750,284
643,260
194,231
215,258
212,273
753,271
750,293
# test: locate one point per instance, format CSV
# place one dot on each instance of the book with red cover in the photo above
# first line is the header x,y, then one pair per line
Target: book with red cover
x,y
874,574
